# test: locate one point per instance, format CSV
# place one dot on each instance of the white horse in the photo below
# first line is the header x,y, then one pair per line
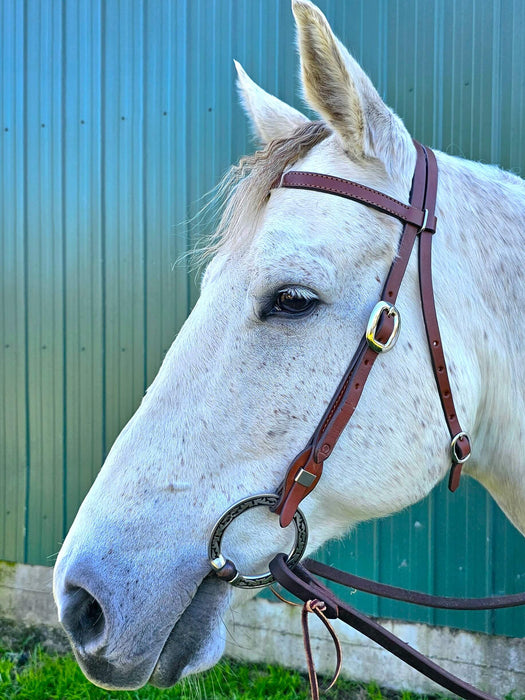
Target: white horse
x,y
283,304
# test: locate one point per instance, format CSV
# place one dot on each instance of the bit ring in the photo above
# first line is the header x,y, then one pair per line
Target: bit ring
x,y
220,564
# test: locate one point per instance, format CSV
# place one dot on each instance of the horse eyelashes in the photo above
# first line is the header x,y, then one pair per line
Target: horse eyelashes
x,y
293,301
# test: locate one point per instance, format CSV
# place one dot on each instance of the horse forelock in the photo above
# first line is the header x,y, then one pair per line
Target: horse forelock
x,y
244,190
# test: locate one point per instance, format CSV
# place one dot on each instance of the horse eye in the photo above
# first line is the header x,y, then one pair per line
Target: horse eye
x,y
294,301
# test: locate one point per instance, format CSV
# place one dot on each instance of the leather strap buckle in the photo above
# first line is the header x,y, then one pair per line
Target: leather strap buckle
x,y
456,456
373,321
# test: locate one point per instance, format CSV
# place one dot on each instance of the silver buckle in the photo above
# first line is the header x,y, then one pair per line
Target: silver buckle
x,y
425,221
455,457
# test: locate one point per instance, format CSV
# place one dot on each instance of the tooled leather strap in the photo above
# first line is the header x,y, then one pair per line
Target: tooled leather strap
x,y
419,218
302,584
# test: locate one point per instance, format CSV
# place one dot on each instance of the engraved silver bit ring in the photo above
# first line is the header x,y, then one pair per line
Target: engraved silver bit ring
x,y
225,568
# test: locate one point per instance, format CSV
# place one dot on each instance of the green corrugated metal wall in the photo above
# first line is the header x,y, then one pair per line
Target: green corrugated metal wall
x,y
116,118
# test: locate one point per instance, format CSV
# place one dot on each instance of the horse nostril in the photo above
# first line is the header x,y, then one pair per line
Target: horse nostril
x,y
83,618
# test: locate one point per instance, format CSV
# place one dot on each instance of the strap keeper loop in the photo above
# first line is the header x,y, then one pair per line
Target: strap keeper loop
x,y
425,222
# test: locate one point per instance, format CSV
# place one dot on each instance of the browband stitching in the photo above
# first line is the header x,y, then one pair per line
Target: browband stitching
x,y
408,208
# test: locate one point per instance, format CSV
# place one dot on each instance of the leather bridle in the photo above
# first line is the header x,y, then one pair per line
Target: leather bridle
x,y
303,474
419,221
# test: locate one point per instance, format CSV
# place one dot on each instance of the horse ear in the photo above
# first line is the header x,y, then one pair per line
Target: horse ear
x,y
338,89
270,118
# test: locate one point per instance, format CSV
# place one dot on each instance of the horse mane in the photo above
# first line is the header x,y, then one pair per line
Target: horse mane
x,y
244,190
242,193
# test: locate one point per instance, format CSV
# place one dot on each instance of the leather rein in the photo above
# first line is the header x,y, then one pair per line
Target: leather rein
x,y
304,472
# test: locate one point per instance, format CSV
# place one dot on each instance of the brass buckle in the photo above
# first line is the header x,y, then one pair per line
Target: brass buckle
x,y
373,321
455,457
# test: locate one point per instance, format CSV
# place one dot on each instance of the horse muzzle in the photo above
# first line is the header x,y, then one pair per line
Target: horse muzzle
x,y
124,638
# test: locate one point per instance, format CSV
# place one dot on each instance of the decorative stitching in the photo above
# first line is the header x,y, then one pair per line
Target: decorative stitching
x,y
336,405
295,173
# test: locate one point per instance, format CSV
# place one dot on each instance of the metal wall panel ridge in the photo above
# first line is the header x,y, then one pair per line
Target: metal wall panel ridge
x,y
117,118
84,250
14,447
44,254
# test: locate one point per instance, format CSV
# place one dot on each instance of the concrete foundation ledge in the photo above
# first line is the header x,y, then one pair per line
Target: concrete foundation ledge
x,y
27,609
264,631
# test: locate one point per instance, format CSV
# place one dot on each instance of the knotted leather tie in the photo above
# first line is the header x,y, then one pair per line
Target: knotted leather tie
x,y
316,607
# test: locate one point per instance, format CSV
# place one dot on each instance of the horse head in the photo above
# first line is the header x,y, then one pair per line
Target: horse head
x,y
292,278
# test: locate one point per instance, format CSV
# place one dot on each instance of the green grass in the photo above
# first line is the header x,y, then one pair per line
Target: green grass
x,y
29,673
32,674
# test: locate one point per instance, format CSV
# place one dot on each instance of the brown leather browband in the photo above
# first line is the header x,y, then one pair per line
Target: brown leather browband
x,y
419,219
